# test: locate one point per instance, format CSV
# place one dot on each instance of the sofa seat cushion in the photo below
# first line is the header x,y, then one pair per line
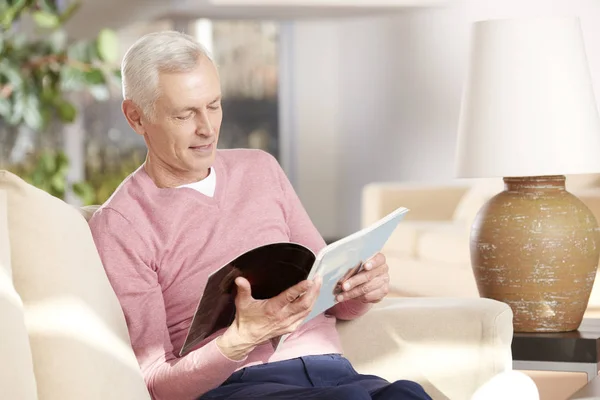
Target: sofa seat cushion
x,y
78,335
17,378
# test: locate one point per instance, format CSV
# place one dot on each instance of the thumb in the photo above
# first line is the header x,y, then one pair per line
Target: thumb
x,y
290,295
244,291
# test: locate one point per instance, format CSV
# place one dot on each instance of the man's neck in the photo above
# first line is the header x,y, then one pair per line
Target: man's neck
x,y
165,177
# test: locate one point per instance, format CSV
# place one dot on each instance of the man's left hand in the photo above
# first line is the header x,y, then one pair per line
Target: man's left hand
x,y
370,285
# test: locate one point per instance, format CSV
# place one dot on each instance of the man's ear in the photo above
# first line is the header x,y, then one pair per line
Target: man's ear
x,y
134,115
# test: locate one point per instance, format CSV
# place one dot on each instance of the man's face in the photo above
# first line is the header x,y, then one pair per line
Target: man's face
x,y
182,137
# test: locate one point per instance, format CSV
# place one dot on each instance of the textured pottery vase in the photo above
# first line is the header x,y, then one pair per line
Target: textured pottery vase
x,y
535,246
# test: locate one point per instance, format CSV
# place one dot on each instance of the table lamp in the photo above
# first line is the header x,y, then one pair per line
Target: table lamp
x,y
529,115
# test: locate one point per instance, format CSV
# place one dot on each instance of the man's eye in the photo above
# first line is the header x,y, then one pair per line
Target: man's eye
x,y
214,106
184,117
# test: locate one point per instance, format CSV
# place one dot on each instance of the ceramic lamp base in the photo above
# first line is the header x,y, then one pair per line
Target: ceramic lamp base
x,y
536,247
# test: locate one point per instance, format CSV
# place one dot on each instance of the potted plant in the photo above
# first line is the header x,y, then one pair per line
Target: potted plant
x,y
41,69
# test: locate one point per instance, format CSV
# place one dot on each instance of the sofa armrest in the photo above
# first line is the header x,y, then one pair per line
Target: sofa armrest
x,y
426,202
450,346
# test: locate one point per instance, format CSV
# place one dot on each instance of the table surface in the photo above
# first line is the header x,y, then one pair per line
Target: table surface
x,y
580,346
591,391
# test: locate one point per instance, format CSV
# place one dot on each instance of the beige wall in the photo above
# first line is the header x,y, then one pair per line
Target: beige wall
x,y
310,118
377,99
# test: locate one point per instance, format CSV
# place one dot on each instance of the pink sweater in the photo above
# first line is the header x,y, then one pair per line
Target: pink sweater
x,y
159,246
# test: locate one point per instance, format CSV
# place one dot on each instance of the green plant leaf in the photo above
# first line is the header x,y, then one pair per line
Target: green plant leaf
x,y
94,77
7,17
62,163
19,42
13,118
31,113
108,45
18,106
58,184
48,5
46,116
72,78
58,41
50,94
68,13
12,12
5,108
11,73
85,191
67,111
46,20
47,163
79,51
100,92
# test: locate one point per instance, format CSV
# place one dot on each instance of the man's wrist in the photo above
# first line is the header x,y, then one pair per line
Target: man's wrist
x,y
233,346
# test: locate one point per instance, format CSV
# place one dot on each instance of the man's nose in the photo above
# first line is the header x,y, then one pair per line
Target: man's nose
x,y
203,125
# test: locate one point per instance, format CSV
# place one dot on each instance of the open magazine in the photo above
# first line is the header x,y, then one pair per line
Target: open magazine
x,y
273,268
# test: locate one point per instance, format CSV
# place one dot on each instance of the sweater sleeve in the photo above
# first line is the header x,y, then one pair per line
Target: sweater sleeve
x,y
127,260
303,231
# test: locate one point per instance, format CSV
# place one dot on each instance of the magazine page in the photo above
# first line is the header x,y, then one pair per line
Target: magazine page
x,y
344,258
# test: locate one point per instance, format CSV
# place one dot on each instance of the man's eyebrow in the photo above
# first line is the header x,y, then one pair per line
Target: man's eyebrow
x,y
192,108
182,109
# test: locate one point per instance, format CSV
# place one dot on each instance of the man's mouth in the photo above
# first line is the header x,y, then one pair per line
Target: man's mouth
x,y
203,147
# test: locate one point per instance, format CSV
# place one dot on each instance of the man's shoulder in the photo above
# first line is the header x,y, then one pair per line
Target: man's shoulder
x,y
125,200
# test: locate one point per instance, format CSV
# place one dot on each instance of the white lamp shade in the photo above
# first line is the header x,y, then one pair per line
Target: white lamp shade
x,y
528,106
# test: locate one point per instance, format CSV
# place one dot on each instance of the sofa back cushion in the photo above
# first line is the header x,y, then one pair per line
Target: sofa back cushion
x,y
577,182
17,379
78,334
470,204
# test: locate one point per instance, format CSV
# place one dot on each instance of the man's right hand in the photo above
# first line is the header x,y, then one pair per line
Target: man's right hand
x,y
257,321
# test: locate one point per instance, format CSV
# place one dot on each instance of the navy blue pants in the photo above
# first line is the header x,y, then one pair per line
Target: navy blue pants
x,y
327,377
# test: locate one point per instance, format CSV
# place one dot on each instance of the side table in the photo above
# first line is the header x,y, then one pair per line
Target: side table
x,y
576,351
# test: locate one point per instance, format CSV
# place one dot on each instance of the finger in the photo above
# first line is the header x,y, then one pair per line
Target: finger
x,y
290,295
365,288
305,303
375,296
376,261
244,291
364,277
300,308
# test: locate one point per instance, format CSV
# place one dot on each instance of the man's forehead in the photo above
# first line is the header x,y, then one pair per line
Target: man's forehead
x,y
183,88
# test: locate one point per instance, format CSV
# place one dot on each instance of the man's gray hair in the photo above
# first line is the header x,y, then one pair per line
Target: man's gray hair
x,y
165,51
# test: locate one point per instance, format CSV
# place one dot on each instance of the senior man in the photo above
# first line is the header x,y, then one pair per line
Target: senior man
x,y
187,211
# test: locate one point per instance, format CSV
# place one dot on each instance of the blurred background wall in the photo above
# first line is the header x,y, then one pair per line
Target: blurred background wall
x,y
342,96
385,106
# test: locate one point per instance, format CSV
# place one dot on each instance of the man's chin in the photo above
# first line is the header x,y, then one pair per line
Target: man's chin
x,y
202,165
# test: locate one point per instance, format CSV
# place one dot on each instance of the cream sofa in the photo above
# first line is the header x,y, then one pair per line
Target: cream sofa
x,y
429,254
64,336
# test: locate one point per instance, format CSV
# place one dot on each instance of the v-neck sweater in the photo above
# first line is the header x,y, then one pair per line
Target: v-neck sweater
x,y
159,246
206,186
